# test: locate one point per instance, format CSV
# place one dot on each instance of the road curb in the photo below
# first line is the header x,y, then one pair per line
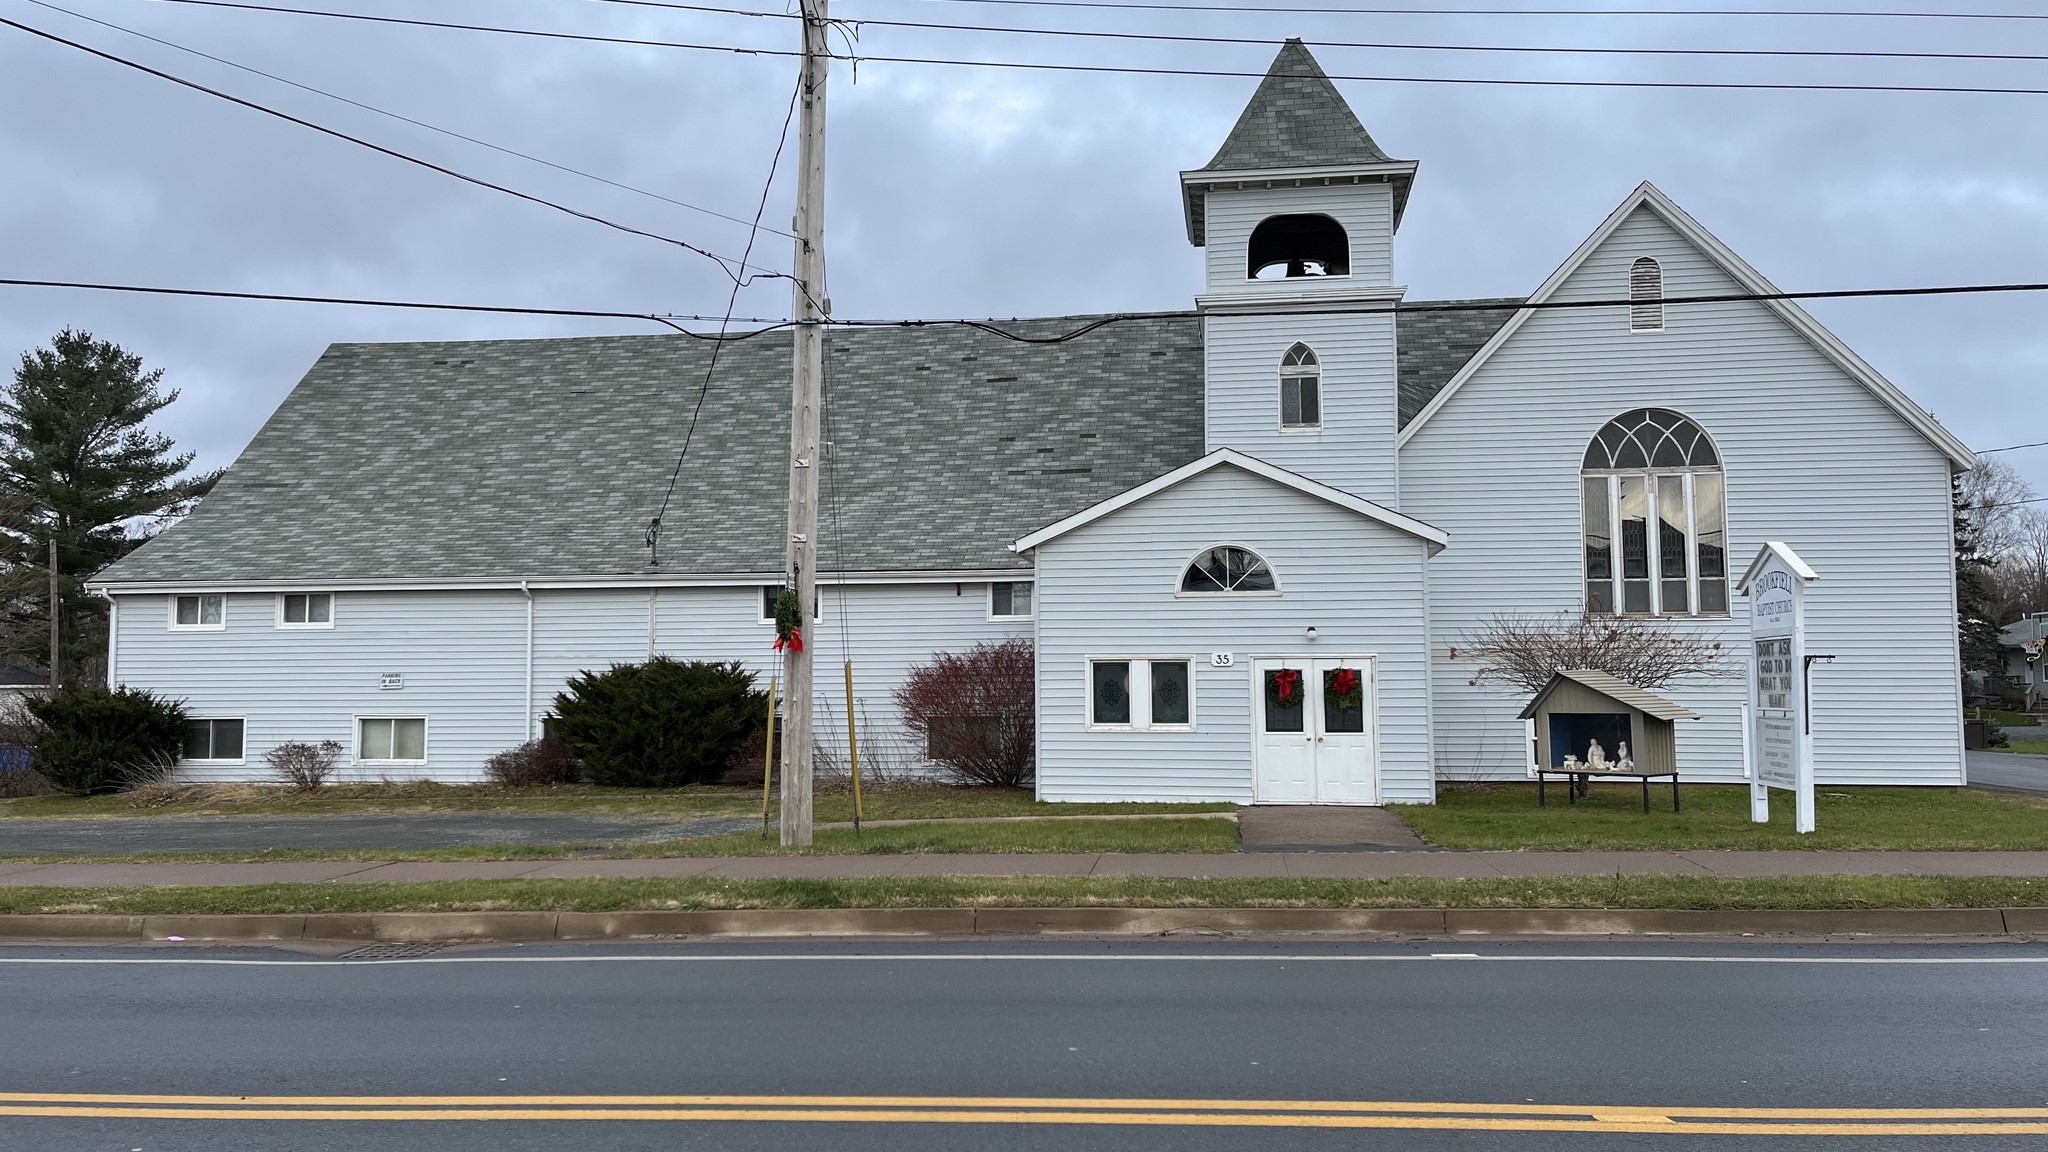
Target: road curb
x,y
880,922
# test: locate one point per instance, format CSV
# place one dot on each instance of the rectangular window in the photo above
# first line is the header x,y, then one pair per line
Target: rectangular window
x,y
1710,528
391,738
1141,694
305,610
1172,702
771,592
1300,402
203,612
1009,600
1109,693
1599,547
1634,515
213,740
1673,595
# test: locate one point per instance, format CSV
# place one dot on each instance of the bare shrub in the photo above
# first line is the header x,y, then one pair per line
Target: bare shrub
x,y
975,712
1524,652
303,767
887,759
538,763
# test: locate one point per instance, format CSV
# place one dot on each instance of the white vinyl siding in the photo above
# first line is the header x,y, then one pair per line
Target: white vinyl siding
x,y
462,657
1107,589
1810,458
1365,211
1352,446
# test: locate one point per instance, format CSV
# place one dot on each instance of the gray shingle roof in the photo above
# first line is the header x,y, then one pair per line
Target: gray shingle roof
x,y
1296,119
511,458
1434,345
1615,688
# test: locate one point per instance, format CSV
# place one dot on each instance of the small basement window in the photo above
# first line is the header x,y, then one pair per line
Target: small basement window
x,y
1009,600
305,610
1163,698
402,738
215,740
199,613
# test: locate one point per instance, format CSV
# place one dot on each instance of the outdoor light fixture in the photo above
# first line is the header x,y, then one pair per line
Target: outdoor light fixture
x,y
1311,631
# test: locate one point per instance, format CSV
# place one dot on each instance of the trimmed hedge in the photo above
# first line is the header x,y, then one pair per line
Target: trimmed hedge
x,y
660,724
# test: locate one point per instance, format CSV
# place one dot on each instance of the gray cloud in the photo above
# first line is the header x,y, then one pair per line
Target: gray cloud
x,y
958,191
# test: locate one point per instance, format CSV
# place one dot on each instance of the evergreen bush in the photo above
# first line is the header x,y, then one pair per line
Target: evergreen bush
x,y
91,739
661,724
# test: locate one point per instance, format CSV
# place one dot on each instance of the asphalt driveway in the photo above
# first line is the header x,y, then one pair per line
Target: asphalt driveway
x,y
126,836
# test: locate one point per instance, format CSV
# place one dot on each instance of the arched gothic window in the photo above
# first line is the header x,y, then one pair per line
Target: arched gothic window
x,y
1288,247
1228,569
1645,296
1301,388
1654,467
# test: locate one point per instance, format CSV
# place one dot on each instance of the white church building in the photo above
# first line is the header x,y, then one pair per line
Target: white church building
x,y
1248,540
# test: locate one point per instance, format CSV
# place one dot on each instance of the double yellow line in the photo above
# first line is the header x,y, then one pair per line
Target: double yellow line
x,y
1431,1115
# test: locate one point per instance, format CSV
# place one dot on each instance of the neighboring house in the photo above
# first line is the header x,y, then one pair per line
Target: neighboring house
x,y
2024,646
1247,539
17,686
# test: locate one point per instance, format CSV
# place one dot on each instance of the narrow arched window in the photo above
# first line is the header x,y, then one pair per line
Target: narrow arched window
x,y
1301,388
1227,569
1294,246
1646,296
1656,530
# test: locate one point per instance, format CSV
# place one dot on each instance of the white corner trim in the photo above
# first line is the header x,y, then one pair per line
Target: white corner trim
x,y
1431,535
1827,343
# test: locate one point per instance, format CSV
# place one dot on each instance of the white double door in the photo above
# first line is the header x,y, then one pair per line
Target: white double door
x,y
1314,730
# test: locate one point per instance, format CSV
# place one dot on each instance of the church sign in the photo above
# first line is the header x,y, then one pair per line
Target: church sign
x,y
1779,735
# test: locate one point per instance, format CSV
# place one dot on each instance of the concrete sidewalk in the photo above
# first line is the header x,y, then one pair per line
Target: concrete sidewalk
x,y
1367,865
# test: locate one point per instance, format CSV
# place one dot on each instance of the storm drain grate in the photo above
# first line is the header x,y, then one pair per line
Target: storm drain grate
x,y
393,950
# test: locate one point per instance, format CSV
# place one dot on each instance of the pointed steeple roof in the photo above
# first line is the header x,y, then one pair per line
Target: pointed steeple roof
x,y
1296,119
1296,130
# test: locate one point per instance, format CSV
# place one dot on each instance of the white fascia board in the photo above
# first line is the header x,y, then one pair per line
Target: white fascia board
x,y
1430,534
1739,270
1784,553
1198,182
516,583
1339,291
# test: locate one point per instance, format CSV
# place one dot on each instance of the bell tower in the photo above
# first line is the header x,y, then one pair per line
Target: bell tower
x,y
1296,214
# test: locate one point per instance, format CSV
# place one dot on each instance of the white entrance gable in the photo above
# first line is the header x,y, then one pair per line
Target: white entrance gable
x,y
1432,536
1648,197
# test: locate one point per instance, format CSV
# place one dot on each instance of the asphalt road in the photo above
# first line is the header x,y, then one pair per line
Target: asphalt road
x,y
2010,771
136,835
1133,1046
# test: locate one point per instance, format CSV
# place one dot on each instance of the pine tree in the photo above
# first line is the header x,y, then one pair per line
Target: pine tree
x,y
1976,614
78,464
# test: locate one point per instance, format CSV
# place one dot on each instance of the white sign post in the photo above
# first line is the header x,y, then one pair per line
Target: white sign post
x,y
1779,739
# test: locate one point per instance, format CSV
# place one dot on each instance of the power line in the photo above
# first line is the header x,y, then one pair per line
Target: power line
x,y
449,132
1532,49
431,166
770,325
711,368
2012,447
1319,11
1136,70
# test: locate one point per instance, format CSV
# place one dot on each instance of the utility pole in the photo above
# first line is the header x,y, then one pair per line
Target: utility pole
x,y
56,612
805,400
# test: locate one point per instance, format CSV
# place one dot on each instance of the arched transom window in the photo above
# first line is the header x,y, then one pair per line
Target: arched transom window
x,y
1656,535
1645,296
1301,388
1226,570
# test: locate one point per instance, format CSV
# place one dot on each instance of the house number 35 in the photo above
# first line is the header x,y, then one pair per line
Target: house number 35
x,y
1222,660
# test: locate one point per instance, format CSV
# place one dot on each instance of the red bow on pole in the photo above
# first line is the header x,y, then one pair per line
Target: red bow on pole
x,y
794,642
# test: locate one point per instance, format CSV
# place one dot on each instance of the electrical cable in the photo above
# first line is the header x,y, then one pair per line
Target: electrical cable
x,y
430,165
1389,11
1532,49
398,116
2011,447
1135,70
704,389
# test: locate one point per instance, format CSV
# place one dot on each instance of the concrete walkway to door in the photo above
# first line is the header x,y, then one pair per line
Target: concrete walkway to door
x,y
1324,828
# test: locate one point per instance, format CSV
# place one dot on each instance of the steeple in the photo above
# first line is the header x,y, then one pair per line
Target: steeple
x,y
1296,120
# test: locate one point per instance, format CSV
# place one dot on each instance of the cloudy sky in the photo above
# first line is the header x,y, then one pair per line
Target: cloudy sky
x,y
974,191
